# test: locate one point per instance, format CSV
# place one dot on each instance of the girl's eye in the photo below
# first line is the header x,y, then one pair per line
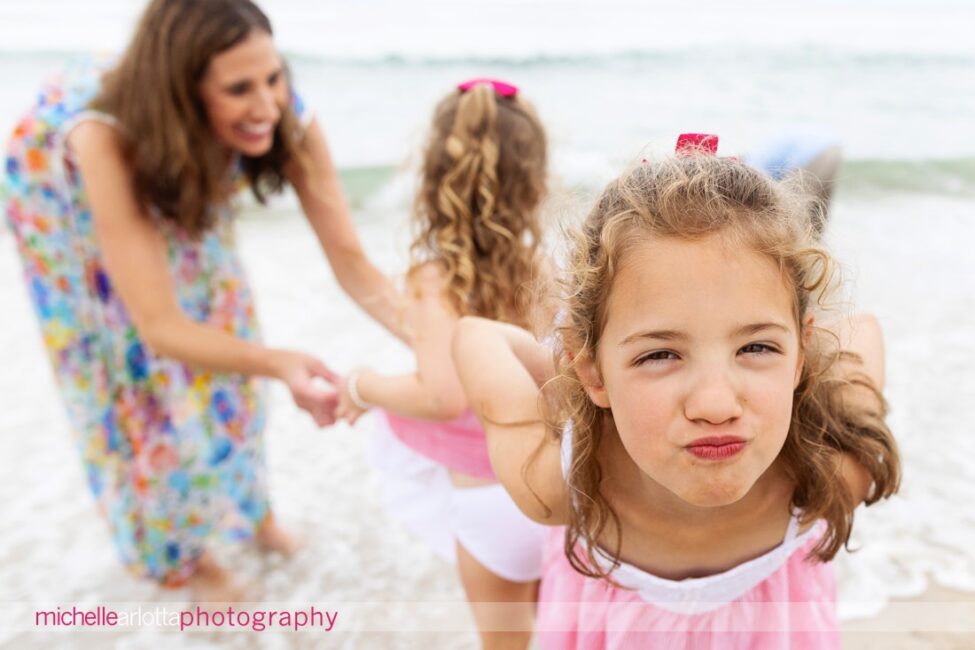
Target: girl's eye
x,y
658,356
239,89
758,348
274,78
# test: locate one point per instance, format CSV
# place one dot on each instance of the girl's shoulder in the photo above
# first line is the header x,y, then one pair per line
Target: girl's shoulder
x,y
427,279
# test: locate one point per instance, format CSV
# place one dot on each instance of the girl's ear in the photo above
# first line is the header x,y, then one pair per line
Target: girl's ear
x,y
805,336
807,329
589,376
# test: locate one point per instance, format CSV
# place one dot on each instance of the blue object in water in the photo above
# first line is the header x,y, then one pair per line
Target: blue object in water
x,y
785,152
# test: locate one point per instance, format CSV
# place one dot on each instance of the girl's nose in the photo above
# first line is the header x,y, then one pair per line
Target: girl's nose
x,y
713,397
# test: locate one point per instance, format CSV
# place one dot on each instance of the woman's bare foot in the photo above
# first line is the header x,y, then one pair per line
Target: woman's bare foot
x,y
210,582
271,537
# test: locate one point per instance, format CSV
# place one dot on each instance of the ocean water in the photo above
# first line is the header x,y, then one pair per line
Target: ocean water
x,y
894,82
891,80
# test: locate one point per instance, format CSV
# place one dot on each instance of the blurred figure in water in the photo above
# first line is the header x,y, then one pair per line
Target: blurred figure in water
x,y
815,157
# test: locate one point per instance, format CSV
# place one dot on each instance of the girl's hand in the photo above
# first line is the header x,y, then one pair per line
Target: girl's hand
x,y
348,409
299,372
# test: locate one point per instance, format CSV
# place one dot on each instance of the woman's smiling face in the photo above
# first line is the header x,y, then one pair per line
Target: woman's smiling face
x,y
244,92
698,361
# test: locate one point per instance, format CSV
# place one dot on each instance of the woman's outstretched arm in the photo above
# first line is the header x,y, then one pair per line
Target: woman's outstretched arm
x,y
324,205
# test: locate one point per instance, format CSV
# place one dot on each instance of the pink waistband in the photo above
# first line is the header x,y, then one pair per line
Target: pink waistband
x,y
457,444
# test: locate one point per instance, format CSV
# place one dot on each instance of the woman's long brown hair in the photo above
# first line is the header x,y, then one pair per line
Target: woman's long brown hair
x,y
179,167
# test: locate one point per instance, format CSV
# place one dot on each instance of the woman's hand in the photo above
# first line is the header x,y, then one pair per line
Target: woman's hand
x,y
299,372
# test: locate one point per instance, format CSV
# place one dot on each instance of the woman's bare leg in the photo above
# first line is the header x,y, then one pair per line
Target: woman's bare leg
x,y
210,582
270,536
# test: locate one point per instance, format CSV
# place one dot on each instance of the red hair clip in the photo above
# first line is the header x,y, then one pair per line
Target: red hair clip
x,y
502,88
691,143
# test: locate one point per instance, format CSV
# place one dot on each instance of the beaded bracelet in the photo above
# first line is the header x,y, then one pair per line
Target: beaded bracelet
x,y
351,385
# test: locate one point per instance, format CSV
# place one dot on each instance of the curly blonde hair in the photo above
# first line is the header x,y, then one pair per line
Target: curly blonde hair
x,y
483,178
693,197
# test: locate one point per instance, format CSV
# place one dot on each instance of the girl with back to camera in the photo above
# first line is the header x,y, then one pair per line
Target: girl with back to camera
x,y
120,188
703,442
476,252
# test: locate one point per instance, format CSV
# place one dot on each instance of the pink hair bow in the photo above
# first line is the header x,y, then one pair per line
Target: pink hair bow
x,y
503,88
691,143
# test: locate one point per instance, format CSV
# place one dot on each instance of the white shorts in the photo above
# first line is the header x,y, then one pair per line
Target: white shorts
x,y
488,524
417,492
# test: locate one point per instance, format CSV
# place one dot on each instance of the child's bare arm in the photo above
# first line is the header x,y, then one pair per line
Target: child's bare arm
x,y
433,391
501,367
862,362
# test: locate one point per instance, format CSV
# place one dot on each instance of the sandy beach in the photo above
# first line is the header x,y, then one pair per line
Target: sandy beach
x,y
887,630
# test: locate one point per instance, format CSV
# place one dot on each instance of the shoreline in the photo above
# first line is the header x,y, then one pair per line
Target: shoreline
x,y
906,623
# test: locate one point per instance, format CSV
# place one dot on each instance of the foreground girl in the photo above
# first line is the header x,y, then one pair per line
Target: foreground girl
x,y
701,439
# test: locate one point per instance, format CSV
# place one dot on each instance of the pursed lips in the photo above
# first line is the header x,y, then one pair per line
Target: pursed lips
x,y
716,447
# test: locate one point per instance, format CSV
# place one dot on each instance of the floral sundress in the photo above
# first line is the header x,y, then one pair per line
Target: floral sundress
x,y
173,454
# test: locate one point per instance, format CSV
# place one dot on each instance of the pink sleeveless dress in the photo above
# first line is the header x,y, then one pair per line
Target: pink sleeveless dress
x,y
457,444
778,600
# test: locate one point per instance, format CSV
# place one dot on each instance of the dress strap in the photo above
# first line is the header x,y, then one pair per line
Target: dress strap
x,y
566,449
63,152
793,529
95,116
89,115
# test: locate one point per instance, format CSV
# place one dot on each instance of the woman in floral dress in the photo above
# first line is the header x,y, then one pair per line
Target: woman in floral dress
x,y
119,182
